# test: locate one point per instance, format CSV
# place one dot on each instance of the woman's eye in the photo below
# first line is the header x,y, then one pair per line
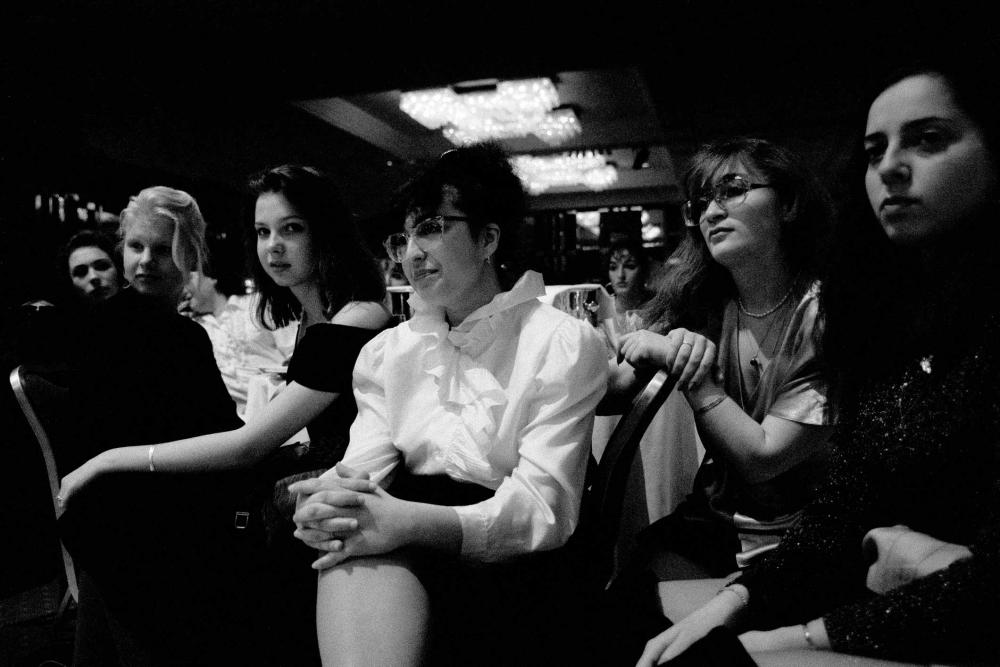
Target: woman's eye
x,y
137,247
873,153
429,228
101,265
932,140
262,232
729,191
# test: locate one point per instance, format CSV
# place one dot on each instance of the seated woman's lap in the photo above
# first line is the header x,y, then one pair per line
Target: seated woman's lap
x,y
529,610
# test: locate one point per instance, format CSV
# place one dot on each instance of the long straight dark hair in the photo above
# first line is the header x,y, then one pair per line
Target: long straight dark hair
x,y
345,268
880,304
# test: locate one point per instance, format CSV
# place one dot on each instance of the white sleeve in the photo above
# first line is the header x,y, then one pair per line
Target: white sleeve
x,y
371,449
537,507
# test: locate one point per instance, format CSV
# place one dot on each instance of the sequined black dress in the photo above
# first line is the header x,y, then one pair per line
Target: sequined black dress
x,y
923,449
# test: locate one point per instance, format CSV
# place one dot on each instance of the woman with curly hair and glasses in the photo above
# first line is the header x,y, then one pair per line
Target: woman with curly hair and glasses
x,y
474,421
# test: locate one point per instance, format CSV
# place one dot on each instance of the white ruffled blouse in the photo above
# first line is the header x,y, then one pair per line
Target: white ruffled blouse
x,y
505,400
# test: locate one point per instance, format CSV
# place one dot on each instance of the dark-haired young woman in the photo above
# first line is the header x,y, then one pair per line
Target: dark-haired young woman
x,y
310,264
913,325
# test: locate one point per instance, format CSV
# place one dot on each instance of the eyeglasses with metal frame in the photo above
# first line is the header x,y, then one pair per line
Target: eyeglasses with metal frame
x,y
425,234
731,190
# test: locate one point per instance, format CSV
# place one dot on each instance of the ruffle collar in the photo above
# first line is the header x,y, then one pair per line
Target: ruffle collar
x,y
465,386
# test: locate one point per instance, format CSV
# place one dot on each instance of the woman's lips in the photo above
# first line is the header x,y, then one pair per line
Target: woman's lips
x,y
896,204
420,274
718,231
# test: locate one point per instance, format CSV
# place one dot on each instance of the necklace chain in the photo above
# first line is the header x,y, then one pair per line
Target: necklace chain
x,y
754,361
760,316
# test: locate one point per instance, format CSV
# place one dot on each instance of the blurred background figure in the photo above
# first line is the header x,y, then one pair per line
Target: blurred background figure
x,y
628,273
94,267
242,348
393,273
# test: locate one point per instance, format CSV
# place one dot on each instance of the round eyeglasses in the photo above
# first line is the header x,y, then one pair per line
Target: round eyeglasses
x,y
426,234
730,190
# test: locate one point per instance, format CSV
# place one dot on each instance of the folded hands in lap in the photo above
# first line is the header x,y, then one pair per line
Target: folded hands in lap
x,y
346,517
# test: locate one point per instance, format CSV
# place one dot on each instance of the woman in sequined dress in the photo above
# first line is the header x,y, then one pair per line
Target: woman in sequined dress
x,y
912,323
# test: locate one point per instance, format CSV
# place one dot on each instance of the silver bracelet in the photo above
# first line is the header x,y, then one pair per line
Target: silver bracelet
x,y
809,640
152,468
744,600
714,404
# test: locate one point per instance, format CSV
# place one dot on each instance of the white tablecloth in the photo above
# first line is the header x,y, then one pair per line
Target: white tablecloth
x,y
669,454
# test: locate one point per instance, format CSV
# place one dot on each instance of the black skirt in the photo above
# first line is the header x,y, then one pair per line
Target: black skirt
x,y
531,610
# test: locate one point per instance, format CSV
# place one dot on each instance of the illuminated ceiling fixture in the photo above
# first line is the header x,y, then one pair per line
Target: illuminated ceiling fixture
x,y
587,168
493,110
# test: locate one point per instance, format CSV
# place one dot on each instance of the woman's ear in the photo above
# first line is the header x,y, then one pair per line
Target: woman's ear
x,y
489,237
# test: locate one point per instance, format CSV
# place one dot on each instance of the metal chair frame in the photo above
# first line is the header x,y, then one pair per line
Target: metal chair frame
x,y
19,382
607,490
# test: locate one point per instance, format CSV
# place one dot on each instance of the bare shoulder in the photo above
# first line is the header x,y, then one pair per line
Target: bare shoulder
x,y
363,314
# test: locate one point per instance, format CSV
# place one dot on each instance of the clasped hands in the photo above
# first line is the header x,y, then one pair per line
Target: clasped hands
x,y
347,516
686,355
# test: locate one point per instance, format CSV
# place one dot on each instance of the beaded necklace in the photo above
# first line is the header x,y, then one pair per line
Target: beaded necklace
x,y
755,362
760,316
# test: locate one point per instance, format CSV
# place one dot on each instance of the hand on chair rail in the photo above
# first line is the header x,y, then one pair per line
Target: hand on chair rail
x,y
687,355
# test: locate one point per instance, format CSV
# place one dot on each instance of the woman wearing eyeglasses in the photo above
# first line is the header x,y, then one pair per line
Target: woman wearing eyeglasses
x,y
473,426
897,558
736,321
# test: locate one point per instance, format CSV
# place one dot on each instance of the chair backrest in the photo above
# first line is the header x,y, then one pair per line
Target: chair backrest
x,y
41,392
607,490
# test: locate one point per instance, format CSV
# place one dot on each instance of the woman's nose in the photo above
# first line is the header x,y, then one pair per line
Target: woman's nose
x,y
146,257
894,167
412,249
275,243
713,212
93,277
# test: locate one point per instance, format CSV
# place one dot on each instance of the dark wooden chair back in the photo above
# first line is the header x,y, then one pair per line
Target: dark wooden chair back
x,y
42,392
606,493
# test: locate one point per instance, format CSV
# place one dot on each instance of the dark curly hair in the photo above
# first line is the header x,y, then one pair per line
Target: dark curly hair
x,y
693,291
488,192
346,269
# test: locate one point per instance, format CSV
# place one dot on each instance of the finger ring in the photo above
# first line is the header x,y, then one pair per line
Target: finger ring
x,y
684,342
59,500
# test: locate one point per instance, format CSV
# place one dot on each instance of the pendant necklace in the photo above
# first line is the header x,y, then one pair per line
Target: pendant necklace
x,y
755,362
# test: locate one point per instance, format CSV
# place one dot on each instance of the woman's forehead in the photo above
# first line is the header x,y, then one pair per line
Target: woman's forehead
x,y
728,167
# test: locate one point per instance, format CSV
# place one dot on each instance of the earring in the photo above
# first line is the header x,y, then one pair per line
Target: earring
x,y
489,259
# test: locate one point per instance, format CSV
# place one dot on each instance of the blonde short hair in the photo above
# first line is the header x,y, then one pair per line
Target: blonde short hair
x,y
188,249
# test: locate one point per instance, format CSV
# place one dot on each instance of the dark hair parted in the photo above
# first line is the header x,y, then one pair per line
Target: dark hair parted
x,y
696,286
488,192
633,247
345,268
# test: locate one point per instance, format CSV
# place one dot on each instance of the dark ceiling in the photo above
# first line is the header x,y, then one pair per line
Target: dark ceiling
x,y
108,94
